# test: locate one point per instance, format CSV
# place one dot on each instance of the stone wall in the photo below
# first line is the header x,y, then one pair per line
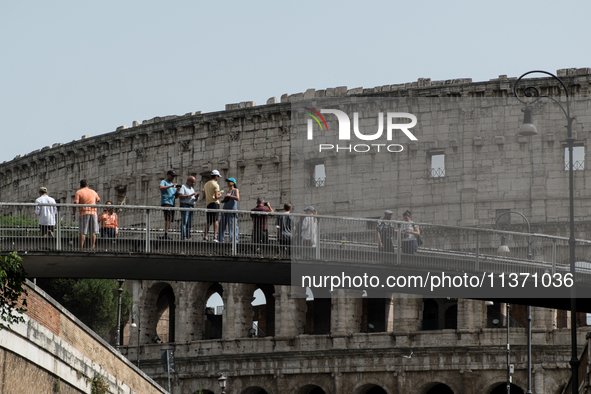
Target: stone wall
x,y
53,350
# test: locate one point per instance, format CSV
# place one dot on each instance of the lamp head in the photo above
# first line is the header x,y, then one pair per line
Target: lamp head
x,y
222,381
503,249
527,128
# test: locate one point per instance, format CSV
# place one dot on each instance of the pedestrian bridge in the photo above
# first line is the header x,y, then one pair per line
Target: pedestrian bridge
x,y
463,262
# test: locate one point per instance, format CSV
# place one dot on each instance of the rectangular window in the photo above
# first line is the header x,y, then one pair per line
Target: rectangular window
x,y
578,158
438,166
319,175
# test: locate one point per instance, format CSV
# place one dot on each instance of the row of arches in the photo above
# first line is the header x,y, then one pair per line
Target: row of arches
x,y
429,388
258,310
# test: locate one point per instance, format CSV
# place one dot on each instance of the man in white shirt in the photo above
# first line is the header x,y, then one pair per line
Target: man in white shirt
x,y
46,212
188,196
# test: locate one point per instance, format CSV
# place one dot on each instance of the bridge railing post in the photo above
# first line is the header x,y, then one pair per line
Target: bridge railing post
x,y
477,262
58,230
234,226
398,243
553,256
147,231
318,239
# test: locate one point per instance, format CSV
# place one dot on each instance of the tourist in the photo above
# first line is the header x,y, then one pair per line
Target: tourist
x,y
109,223
260,233
212,199
87,221
230,220
46,213
187,196
385,233
409,234
284,227
168,194
309,227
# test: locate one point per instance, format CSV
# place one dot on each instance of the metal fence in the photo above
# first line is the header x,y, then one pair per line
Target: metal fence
x,y
313,237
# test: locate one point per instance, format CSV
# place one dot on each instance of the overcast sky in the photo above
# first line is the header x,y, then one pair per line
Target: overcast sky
x,y
72,68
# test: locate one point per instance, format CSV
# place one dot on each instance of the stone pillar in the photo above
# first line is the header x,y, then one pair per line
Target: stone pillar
x,y
408,312
543,318
471,314
237,315
290,311
346,312
390,324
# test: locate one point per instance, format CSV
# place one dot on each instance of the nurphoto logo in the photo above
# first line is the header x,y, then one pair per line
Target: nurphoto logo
x,y
344,130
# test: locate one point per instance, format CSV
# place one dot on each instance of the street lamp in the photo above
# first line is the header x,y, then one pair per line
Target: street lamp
x,y
139,326
528,128
118,343
222,382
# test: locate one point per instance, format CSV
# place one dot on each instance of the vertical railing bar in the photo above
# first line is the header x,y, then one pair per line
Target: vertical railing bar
x,y
398,244
553,256
234,232
147,231
58,231
317,239
477,262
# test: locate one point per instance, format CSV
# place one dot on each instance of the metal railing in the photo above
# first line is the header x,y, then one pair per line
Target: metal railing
x,y
313,237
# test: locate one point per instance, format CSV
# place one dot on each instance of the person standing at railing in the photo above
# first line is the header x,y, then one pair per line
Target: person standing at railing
x,y
168,194
284,227
260,232
87,221
188,196
230,220
309,227
385,233
46,213
109,223
212,199
409,234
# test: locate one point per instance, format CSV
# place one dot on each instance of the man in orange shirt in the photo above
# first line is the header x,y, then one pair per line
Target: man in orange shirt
x,y
87,222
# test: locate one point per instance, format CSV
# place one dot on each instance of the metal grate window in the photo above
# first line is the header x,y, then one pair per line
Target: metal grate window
x,y
578,158
438,166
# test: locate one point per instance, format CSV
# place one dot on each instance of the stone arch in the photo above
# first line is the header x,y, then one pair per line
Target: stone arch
x,y
374,312
451,317
438,387
370,388
165,315
312,389
265,314
158,298
319,312
501,388
430,314
213,322
255,390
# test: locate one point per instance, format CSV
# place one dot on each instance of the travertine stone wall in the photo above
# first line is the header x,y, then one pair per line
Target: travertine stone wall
x,y
487,169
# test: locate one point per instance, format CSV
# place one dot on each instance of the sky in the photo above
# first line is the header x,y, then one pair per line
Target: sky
x,y
71,68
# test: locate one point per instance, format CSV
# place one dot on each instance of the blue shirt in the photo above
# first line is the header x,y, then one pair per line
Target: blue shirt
x,y
167,196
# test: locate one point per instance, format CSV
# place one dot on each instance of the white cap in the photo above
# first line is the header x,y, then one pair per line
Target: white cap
x,y
215,172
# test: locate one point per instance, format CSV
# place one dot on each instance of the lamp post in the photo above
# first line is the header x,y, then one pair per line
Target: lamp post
x,y
222,382
120,290
139,326
505,249
528,128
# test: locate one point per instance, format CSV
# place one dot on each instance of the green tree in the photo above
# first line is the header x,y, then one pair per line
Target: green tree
x,y
93,301
12,280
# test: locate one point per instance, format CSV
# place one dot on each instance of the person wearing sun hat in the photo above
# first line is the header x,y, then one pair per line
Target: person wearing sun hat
x,y
212,199
230,220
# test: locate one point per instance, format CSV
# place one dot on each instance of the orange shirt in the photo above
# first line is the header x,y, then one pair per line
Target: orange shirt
x,y
108,220
86,196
